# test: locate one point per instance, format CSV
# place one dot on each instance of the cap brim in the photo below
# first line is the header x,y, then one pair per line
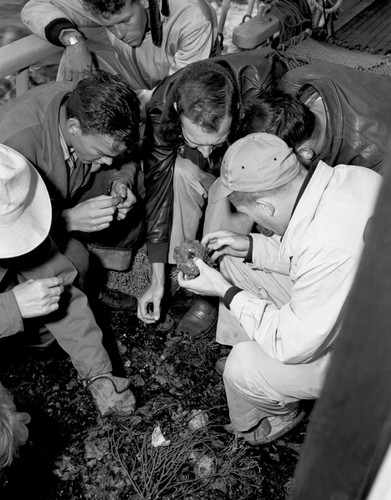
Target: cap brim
x,y
218,191
32,227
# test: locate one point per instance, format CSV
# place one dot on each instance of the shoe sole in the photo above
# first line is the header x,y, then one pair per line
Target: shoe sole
x,y
272,437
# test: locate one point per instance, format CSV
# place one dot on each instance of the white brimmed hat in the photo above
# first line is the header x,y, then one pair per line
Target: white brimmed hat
x,y
25,207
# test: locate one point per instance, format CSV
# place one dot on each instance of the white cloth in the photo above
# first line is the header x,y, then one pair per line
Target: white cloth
x,y
321,248
189,34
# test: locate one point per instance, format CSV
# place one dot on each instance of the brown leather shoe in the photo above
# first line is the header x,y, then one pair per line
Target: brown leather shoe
x,y
200,318
115,299
41,340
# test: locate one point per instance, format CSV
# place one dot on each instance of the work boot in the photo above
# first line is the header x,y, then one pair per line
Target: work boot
x,y
270,428
115,299
200,318
40,340
111,395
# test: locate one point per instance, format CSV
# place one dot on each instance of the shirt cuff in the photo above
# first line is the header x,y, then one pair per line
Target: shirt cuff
x,y
230,294
249,256
54,28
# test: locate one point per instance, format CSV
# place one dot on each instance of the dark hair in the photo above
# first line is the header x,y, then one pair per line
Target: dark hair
x,y
110,7
279,114
105,104
104,6
205,93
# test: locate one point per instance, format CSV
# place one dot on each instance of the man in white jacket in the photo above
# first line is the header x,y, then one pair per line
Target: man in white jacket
x,y
143,40
280,304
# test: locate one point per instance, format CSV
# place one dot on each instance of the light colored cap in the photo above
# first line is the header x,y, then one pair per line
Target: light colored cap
x,y
25,207
257,162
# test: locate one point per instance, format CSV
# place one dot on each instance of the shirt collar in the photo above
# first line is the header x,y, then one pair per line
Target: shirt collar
x,y
68,152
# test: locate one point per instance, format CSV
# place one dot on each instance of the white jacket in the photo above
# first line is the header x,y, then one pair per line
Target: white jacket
x,y
189,34
320,251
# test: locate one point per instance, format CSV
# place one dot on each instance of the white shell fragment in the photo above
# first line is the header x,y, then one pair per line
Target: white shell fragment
x,y
198,420
158,439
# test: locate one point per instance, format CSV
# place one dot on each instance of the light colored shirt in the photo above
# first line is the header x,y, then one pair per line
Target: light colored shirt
x,y
69,153
189,34
321,250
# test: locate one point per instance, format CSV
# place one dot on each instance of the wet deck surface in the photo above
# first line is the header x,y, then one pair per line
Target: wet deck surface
x,y
369,30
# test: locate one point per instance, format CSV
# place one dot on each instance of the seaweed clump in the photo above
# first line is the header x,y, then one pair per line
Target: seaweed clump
x,y
184,256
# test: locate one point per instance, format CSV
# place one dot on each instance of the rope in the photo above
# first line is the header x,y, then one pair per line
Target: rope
x,y
315,5
291,16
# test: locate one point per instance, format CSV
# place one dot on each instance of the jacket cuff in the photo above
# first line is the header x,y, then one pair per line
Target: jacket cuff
x,y
249,256
230,294
157,252
54,28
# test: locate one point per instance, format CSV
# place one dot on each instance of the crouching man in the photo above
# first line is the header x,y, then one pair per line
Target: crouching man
x,y
282,294
36,283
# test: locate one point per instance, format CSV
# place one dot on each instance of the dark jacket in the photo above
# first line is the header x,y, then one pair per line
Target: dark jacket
x,y
358,111
254,70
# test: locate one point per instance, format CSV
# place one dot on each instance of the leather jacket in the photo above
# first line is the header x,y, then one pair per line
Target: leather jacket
x,y
252,71
358,112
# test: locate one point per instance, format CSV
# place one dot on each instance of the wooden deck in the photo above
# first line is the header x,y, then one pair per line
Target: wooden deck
x,y
368,30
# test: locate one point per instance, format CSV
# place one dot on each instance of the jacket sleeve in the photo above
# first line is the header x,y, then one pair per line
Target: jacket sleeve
x,y
159,160
11,321
254,70
195,45
300,330
126,172
198,33
47,18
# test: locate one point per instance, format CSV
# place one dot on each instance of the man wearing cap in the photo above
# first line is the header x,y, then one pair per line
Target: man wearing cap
x,y
281,295
36,285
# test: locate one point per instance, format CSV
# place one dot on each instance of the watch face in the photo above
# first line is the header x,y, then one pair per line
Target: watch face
x,y
73,40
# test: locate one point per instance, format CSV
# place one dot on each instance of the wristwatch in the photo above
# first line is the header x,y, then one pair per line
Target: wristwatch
x,y
72,39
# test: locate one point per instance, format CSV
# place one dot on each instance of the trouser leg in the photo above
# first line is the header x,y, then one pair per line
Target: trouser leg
x,y
191,186
270,286
258,386
73,325
78,254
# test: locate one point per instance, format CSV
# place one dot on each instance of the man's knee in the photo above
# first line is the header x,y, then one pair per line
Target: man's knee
x,y
185,171
78,254
238,371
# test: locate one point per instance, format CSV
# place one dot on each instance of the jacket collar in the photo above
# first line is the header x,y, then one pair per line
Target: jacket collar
x,y
334,128
51,146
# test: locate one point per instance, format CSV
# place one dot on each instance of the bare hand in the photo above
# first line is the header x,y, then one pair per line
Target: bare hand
x,y
126,198
77,62
209,282
91,215
226,243
38,297
148,309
